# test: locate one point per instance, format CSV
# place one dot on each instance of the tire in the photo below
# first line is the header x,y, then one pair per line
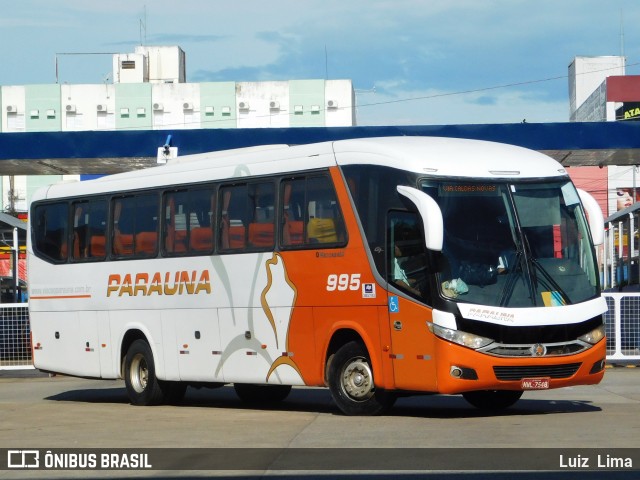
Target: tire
x,y
140,378
261,393
173,391
493,399
352,384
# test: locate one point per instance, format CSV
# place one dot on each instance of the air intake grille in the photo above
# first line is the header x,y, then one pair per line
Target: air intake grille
x,y
552,371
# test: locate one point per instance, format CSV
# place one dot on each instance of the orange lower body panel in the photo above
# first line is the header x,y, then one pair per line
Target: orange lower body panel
x,y
449,355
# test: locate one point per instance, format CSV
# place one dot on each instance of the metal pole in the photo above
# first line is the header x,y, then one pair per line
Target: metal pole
x,y
15,249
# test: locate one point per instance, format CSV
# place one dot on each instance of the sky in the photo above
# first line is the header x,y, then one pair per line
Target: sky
x,y
412,62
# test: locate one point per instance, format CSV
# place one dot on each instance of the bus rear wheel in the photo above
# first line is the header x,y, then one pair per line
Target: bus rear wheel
x,y
493,399
352,385
140,378
261,393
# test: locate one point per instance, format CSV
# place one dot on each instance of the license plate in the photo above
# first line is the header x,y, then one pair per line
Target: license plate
x,y
535,383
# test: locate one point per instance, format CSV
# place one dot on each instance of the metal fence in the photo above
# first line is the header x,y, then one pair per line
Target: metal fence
x,y
15,336
622,325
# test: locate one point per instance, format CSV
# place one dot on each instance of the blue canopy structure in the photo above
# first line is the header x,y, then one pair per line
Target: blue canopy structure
x,y
101,152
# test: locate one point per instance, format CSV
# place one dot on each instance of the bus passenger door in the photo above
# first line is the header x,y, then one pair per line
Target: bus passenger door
x,y
412,345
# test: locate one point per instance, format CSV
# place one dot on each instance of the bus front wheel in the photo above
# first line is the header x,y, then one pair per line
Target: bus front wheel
x,y
140,378
351,382
493,399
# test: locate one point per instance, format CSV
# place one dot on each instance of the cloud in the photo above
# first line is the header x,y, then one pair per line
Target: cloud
x,y
406,49
171,39
433,107
485,100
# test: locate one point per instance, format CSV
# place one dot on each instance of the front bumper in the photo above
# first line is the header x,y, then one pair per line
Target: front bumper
x,y
486,372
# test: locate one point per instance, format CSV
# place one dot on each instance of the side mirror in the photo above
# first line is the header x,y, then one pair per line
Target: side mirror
x,y
596,219
431,216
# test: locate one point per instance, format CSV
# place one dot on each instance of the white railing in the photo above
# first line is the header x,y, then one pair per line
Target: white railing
x,y
622,324
15,336
623,327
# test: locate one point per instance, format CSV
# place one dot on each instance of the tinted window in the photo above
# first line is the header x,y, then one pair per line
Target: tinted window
x,y
311,214
50,231
247,217
89,230
188,224
135,226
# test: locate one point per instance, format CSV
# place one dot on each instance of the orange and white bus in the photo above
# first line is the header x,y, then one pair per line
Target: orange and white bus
x,y
377,267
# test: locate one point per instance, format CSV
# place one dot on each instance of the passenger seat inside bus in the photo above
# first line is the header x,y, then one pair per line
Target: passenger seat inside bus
x,y
236,235
201,239
322,230
179,242
97,246
293,232
146,242
123,243
261,234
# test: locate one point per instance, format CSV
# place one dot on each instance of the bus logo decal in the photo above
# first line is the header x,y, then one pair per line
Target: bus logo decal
x,y
145,284
538,350
368,290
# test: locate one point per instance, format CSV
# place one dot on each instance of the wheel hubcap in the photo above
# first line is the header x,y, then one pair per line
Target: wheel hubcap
x,y
139,373
357,380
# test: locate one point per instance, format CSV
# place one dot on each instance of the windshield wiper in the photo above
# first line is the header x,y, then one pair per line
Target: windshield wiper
x,y
551,281
510,284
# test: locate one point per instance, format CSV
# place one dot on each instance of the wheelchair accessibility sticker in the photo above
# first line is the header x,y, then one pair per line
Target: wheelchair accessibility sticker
x,y
394,306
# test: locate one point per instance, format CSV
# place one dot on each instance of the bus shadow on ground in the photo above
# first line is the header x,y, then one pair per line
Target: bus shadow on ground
x,y
319,400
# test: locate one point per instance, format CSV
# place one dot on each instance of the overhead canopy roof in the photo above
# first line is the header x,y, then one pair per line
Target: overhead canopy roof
x,y
9,222
104,152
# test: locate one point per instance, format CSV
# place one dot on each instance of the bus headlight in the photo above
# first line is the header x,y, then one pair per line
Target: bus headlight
x,y
594,336
465,339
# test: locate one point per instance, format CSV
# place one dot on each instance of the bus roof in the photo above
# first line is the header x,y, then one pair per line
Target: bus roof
x,y
428,155
449,157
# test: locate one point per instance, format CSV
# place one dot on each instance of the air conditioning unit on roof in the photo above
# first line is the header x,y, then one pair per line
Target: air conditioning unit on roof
x,y
12,109
273,105
187,106
158,107
70,108
332,104
243,106
101,107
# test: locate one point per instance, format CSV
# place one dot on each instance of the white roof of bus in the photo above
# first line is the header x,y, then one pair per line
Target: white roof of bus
x,y
428,155
449,157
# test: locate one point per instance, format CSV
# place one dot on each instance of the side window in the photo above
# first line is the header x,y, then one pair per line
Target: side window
x,y
234,215
310,213
406,262
50,231
293,215
247,217
135,226
324,221
261,228
89,226
188,224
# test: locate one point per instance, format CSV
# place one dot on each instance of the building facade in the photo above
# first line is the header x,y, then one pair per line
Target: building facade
x,y
150,92
600,91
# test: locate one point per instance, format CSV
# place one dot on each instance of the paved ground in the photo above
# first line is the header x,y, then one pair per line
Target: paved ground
x,y
44,412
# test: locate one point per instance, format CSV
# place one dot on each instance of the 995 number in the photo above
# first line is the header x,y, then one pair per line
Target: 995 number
x,y
343,282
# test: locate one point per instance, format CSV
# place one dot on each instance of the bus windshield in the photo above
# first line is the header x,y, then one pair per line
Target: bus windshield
x,y
514,245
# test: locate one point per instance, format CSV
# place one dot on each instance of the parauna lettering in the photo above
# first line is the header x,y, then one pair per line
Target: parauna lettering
x,y
158,283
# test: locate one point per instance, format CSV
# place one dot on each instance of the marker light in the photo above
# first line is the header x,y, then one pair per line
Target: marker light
x,y
465,339
594,336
